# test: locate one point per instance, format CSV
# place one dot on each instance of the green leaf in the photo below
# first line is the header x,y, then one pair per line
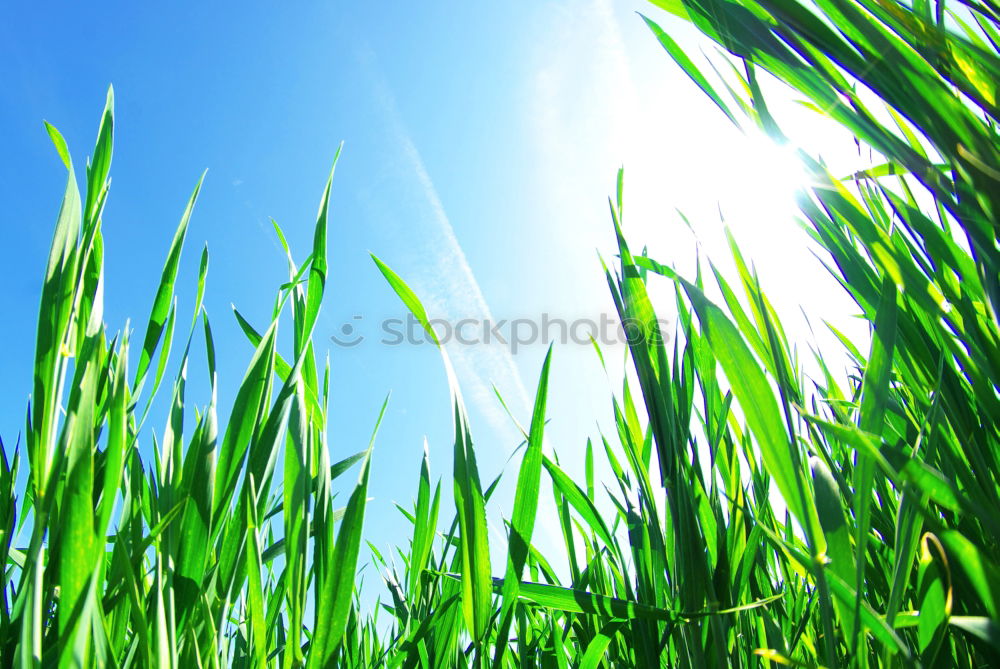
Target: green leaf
x,y
579,500
408,297
981,627
525,507
318,266
255,594
599,645
981,571
164,292
681,58
335,599
934,596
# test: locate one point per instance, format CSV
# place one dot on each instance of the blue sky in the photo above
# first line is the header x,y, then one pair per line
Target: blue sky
x,y
481,143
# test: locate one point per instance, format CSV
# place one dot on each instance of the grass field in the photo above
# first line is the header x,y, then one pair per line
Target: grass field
x,y
227,549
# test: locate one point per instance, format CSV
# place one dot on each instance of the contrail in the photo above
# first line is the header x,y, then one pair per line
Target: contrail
x,y
448,286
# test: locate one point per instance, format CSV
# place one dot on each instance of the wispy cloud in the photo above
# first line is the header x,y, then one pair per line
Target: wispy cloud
x,y
446,283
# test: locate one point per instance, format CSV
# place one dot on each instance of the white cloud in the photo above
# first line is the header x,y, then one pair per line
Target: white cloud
x,y
448,287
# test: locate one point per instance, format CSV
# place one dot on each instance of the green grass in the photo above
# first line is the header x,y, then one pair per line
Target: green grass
x,y
884,552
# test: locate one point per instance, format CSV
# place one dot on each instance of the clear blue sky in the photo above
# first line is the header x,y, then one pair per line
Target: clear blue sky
x,y
481,143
